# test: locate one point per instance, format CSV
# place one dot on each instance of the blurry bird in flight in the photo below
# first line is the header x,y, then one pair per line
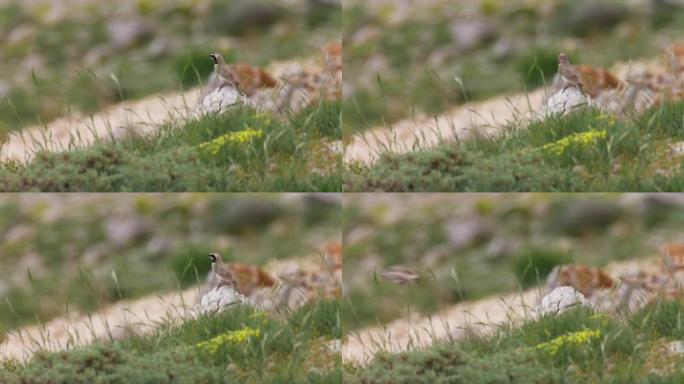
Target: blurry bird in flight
x,y
401,275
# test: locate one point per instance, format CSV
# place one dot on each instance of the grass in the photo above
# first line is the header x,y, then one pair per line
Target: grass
x,y
414,67
47,81
519,240
583,152
579,346
238,151
66,253
240,345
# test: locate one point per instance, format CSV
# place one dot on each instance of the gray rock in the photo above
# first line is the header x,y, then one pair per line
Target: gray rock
x,y
159,47
675,347
677,149
221,298
219,101
97,55
666,5
21,34
580,216
463,234
4,89
565,101
325,3
472,33
238,214
242,15
560,300
20,232
126,33
122,230
588,16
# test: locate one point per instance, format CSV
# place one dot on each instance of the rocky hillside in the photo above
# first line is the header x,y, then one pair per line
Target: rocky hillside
x,y
58,57
473,50
123,247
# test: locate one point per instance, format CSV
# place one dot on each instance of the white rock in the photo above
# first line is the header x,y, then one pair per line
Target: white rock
x,y
126,32
565,101
675,347
677,148
220,298
470,33
560,300
219,101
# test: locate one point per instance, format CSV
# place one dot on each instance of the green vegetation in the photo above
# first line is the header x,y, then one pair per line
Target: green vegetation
x,y
66,253
467,247
405,63
240,345
238,151
57,60
585,151
579,346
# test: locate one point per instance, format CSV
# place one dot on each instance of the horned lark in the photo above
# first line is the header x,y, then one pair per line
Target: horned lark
x,y
252,78
245,278
222,272
568,73
224,75
401,275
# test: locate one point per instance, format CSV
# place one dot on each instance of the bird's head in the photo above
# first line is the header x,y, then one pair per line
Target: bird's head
x,y
215,258
217,58
562,57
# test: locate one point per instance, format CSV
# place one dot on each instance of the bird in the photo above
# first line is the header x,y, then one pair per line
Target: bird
x,y
252,78
223,74
222,273
244,277
400,275
246,78
568,73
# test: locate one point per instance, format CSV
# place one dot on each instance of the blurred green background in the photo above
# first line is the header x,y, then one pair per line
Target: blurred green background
x,y
405,59
467,246
78,252
61,56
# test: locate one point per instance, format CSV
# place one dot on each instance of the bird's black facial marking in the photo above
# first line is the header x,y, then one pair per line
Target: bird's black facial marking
x,y
212,256
213,57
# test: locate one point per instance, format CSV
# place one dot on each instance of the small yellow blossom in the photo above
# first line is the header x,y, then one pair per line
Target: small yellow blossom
x,y
602,318
258,315
231,138
231,337
610,118
568,340
263,118
578,139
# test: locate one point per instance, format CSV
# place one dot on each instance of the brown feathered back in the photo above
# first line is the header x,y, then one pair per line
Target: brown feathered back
x,y
252,78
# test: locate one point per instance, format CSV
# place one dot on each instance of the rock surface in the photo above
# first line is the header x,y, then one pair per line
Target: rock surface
x,y
560,300
565,101
220,298
219,101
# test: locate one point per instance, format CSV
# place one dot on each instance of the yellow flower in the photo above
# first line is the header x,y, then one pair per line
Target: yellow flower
x,y
231,138
602,318
610,118
582,139
568,340
231,337
263,118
